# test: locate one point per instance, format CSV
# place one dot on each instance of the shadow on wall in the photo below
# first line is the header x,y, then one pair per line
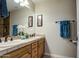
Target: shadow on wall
x,y
74,31
47,50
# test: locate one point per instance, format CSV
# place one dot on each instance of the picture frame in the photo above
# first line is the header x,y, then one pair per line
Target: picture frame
x,y
40,20
30,21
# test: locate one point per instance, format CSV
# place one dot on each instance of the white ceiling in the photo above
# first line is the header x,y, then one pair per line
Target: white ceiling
x,y
37,1
13,6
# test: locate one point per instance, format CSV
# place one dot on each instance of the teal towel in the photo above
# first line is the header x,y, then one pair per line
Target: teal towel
x,y
15,30
65,31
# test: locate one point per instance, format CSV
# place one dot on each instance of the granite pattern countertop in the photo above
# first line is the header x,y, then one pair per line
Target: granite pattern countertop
x,y
15,44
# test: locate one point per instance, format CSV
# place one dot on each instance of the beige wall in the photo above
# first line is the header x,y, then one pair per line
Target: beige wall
x,y
77,1
52,10
55,10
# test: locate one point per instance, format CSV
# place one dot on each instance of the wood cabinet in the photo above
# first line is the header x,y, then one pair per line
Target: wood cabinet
x,y
32,50
41,47
4,26
1,27
27,55
21,52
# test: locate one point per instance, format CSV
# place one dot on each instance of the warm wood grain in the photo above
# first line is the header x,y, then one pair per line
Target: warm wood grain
x,y
41,47
4,26
32,50
27,55
19,52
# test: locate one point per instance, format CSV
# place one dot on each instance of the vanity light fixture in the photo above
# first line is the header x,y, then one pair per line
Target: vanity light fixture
x,y
23,3
16,1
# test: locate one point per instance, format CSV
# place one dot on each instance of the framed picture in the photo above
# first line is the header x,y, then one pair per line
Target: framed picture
x,y
30,21
39,20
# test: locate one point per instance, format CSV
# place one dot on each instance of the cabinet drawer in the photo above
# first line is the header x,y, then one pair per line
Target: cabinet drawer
x,y
34,45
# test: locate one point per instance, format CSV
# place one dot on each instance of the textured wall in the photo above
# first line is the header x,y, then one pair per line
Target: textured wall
x,y
56,10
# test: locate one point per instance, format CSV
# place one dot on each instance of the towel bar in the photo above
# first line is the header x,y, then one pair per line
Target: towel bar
x,y
66,20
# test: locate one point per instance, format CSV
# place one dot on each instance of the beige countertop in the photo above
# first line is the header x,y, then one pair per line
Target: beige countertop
x,y
9,46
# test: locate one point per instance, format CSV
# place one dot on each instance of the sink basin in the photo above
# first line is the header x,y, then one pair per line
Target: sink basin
x,y
2,45
16,42
10,43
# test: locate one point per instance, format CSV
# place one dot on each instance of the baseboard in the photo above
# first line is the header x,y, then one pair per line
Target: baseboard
x,y
56,56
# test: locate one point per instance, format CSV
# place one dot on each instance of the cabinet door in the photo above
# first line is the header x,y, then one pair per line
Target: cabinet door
x,y
41,48
34,50
34,53
18,53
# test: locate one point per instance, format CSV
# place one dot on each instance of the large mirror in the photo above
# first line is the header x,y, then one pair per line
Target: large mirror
x,y
22,14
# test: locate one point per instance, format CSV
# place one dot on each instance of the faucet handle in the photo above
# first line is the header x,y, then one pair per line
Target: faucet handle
x,y
0,40
11,39
6,39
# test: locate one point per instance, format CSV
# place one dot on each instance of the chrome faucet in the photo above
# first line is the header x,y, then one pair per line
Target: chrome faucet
x,y
11,39
5,39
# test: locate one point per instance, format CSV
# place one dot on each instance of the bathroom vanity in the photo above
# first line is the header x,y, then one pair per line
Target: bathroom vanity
x,y
28,48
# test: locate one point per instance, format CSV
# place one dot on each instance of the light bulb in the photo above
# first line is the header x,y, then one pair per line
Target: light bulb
x,y
16,1
26,2
22,4
21,1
